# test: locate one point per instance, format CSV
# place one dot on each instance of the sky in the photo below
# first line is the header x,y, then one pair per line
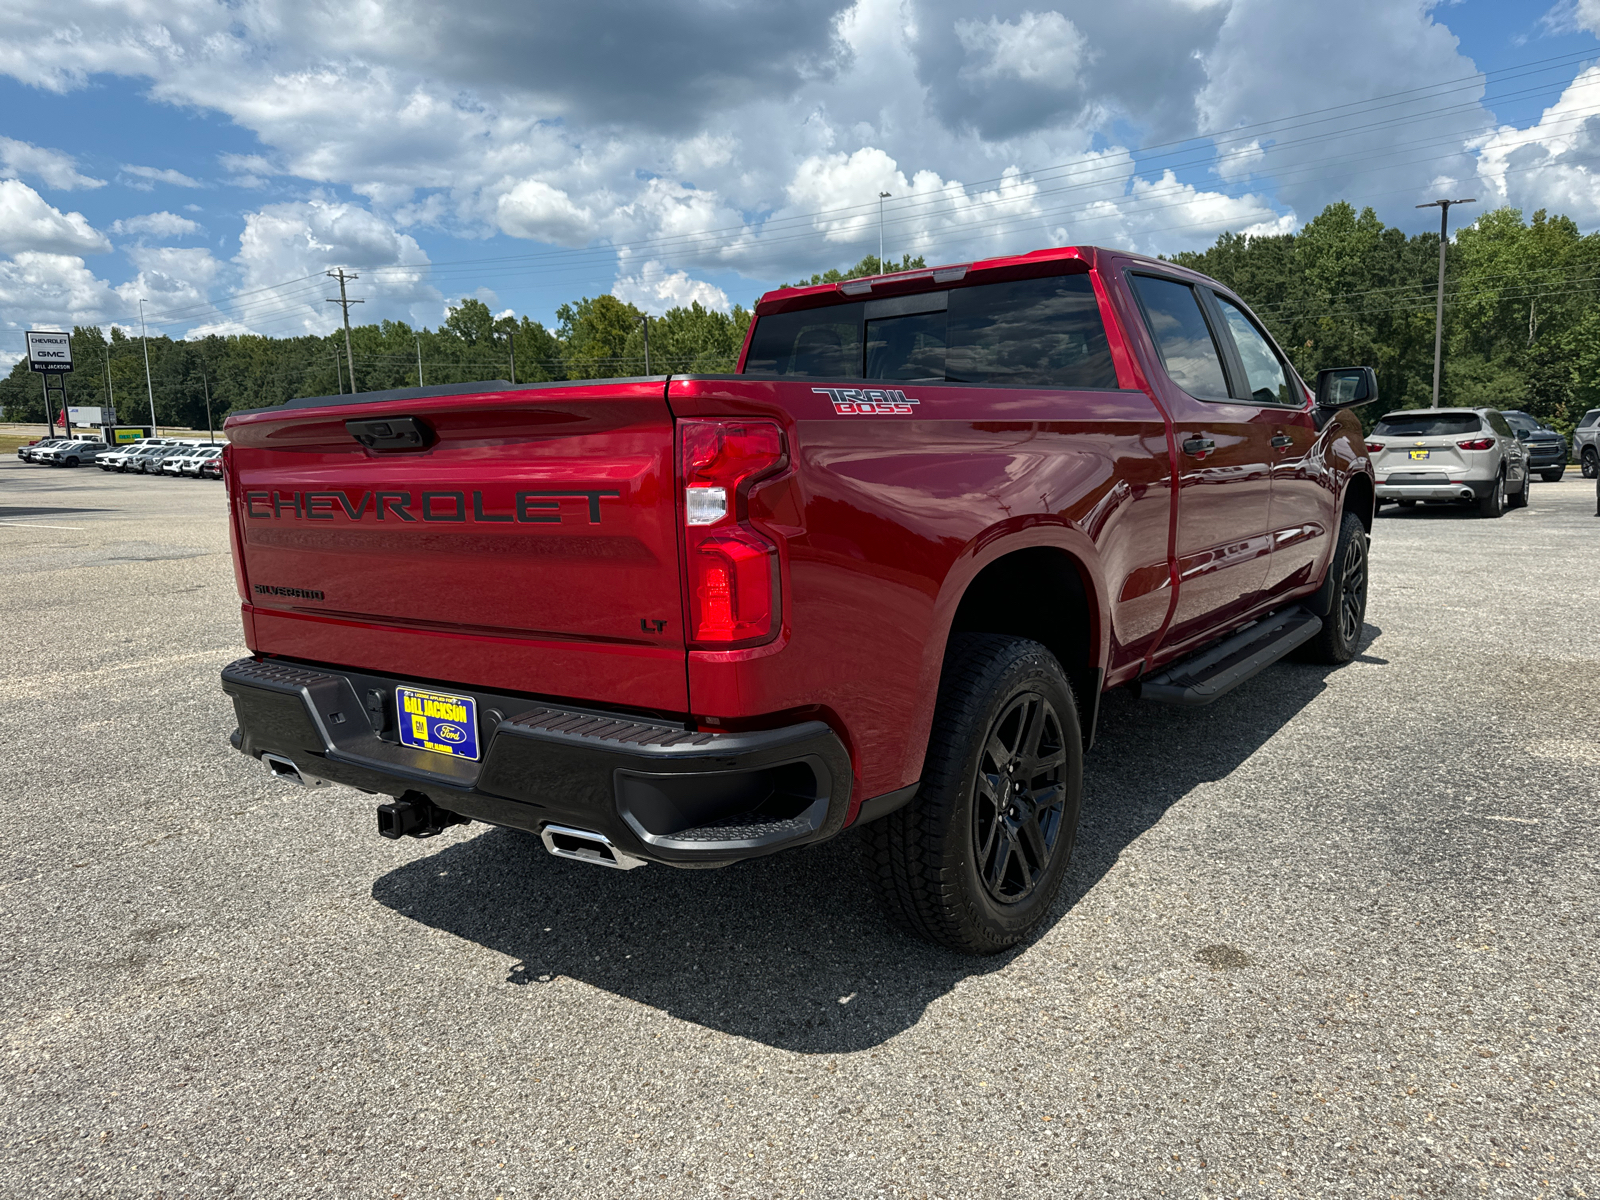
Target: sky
x,y
216,158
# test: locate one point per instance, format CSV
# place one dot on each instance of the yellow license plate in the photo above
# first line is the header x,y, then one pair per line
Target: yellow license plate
x,y
1419,454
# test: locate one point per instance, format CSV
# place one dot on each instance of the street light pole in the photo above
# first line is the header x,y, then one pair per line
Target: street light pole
x,y
645,321
144,338
883,268
1438,313
206,383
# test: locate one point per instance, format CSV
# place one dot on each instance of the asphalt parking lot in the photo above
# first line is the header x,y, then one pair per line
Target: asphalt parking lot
x,y
1333,935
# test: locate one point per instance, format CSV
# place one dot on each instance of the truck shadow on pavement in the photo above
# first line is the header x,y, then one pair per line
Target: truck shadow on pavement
x,y
792,951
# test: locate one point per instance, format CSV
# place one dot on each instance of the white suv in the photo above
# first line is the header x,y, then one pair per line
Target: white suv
x,y
1586,443
1447,455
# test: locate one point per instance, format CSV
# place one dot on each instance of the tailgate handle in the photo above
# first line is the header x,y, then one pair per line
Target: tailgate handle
x,y
391,433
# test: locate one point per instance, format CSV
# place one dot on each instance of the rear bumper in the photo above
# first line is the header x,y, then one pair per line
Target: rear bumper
x,y
657,790
1466,489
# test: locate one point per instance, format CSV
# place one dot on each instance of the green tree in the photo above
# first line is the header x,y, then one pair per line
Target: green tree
x,y
867,266
594,335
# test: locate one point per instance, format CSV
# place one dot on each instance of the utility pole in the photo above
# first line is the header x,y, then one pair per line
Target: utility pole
x,y
344,303
338,371
144,337
645,321
111,399
1438,314
511,343
206,383
883,268
418,338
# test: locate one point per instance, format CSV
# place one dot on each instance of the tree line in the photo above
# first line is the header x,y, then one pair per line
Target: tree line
x,y
1522,329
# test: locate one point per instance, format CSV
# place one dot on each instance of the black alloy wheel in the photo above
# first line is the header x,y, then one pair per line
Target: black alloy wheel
x,y
975,861
1020,800
1341,602
1590,463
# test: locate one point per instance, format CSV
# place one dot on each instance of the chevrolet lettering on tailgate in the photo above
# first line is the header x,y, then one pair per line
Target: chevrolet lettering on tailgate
x,y
532,508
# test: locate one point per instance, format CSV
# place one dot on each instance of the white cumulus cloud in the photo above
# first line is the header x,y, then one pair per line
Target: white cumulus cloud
x,y
157,224
655,290
1043,48
55,168
29,222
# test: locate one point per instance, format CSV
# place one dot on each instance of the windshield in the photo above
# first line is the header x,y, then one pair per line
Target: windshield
x,y
1428,424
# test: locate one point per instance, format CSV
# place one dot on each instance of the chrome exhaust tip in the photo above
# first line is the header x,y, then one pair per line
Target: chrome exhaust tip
x,y
566,842
283,768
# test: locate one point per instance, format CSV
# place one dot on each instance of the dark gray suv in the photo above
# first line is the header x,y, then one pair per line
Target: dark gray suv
x,y
1547,449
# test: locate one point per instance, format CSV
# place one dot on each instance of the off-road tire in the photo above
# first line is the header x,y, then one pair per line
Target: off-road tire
x,y
924,858
1493,503
1342,600
1554,476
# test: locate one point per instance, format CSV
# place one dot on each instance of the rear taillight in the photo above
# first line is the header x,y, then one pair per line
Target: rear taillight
x,y
734,577
1374,447
1477,444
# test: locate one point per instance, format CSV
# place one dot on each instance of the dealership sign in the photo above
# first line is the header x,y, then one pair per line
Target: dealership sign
x,y
49,353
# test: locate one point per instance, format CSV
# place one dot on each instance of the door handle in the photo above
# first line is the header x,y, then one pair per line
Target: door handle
x,y
1282,441
1199,446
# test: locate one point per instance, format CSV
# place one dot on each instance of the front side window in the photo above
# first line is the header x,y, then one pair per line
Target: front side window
x,y
1044,332
1172,311
1265,378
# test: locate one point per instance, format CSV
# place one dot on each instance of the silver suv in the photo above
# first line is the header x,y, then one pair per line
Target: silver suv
x,y
1586,443
1448,455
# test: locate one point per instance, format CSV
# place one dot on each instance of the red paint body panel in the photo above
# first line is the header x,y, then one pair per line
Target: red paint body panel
x,y
885,521
881,523
535,540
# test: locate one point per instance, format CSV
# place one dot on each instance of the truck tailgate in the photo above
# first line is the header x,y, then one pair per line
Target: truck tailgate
x,y
529,545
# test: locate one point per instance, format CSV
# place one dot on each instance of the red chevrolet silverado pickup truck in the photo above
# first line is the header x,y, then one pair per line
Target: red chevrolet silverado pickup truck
x,y
879,577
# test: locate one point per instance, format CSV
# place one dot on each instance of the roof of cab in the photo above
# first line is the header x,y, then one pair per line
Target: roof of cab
x,y
897,282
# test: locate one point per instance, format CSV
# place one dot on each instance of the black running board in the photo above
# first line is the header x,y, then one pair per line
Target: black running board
x,y
1203,677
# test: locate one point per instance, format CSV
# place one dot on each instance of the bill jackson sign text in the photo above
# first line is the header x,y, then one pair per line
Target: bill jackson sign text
x,y
50,353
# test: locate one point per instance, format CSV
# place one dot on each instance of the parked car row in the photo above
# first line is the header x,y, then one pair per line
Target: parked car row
x,y
62,452
148,456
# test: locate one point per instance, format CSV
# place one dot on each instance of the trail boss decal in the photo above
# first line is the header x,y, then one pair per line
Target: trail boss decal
x,y
866,402
530,508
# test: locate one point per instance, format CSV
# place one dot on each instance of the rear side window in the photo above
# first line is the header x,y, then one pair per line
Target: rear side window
x,y
1172,311
1589,418
1428,425
1043,332
814,343
1498,423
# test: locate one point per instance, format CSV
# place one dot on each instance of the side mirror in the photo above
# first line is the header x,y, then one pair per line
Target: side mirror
x,y
1346,387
